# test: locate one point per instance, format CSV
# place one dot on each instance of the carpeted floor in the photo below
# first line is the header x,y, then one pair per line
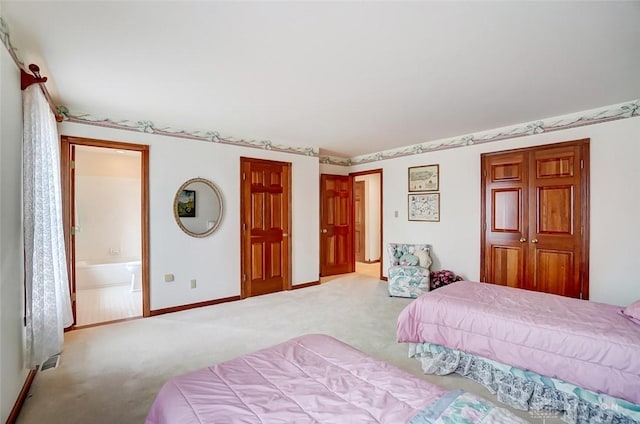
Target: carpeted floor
x,y
111,374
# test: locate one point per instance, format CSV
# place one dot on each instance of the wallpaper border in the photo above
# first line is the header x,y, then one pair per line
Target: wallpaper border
x,y
206,135
590,117
5,36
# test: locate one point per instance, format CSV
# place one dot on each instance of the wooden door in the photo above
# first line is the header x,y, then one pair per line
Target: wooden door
x,y
359,220
535,218
336,228
265,220
506,227
555,217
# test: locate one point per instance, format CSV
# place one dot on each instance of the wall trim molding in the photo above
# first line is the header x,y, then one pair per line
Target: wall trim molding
x,y
162,311
304,285
22,397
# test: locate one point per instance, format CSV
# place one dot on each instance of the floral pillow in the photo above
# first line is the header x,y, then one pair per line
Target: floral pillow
x,y
409,260
633,311
443,278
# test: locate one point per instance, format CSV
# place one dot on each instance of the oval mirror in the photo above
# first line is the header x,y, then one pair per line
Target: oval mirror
x,y
197,207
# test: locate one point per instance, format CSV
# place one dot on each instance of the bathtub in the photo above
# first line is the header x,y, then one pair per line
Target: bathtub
x,y
96,275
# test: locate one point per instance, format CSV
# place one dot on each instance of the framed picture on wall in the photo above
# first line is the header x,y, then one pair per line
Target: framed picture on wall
x,y
187,204
424,207
424,178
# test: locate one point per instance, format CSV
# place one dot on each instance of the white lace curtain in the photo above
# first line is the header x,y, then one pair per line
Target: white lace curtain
x,y
48,305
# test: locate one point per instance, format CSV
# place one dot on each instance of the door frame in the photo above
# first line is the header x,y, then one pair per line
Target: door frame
x,y
585,168
378,171
361,217
68,211
244,233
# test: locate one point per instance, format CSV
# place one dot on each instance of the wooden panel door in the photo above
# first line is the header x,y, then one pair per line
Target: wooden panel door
x,y
265,221
336,228
535,218
505,202
359,220
555,216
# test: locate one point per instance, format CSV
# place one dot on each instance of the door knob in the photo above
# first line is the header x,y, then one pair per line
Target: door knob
x,y
324,230
534,241
522,239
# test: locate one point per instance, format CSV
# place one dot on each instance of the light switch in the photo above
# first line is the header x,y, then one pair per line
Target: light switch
x,y
168,278
395,213
193,284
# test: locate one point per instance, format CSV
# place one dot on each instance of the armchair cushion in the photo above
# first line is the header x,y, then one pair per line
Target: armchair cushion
x,y
408,271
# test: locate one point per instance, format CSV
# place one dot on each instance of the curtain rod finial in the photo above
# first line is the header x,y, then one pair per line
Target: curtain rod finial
x,y
27,79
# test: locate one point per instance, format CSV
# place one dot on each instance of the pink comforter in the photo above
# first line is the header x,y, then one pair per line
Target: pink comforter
x,y
585,343
308,379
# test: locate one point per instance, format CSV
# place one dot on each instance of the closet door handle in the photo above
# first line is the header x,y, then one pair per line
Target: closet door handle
x,y
522,239
534,241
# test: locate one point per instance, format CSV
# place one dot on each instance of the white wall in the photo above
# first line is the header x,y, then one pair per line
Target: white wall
x,y
12,374
615,202
326,168
213,261
107,206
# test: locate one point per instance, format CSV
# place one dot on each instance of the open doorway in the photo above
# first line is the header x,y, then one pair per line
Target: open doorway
x,y
367,205
351,224
105,186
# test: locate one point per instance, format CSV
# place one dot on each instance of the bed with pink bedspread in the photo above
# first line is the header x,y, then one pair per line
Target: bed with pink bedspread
x,y
588,346
314,379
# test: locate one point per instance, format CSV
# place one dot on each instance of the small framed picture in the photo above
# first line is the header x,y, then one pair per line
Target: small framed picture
x,y
187,204
424,178
424,207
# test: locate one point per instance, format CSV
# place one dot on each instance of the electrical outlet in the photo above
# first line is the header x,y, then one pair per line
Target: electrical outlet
x,y
193,284
168,278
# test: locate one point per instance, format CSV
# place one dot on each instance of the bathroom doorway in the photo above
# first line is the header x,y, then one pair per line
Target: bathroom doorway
x,y
106,210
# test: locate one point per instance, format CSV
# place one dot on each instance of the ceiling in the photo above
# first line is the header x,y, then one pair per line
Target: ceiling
x,y
349,78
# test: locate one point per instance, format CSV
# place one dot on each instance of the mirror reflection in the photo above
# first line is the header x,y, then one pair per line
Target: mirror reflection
x,y
197,207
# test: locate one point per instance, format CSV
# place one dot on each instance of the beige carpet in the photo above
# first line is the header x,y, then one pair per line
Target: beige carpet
x,y
111,374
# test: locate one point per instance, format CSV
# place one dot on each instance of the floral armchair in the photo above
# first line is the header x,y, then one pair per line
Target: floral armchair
x,y
409,269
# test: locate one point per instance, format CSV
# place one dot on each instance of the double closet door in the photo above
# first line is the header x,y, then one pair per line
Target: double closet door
x,y
535,215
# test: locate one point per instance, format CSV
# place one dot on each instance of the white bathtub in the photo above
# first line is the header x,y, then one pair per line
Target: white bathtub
x,y
94,275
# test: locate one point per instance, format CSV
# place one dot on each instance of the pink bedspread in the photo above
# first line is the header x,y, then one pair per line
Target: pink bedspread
x,y
309,379
585,343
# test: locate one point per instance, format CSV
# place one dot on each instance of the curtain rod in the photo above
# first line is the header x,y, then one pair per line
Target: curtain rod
x,y
26,79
